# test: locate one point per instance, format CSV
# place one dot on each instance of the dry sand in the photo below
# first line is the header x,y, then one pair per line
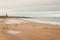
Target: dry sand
x,y
27,30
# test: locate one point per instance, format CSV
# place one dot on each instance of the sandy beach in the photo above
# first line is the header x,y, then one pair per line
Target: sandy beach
x,y
20,29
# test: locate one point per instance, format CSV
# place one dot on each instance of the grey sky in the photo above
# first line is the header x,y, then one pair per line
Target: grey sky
x,y
30,4
18,6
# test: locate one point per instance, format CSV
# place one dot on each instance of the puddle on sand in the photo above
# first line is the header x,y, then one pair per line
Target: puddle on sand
x,y
14,21
13,32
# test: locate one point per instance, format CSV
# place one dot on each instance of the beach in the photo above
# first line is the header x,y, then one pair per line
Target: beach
x,y
25,29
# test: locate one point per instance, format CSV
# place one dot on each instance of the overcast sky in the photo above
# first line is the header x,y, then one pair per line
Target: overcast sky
x,y
18,6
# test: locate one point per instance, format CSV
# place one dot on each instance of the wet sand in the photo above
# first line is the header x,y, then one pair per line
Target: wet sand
x,y
28,30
